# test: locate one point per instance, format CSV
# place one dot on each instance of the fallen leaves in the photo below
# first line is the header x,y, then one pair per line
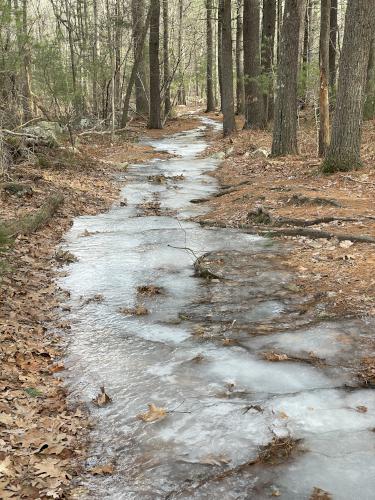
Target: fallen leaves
x,y
134,311
150,290
154,414
275,356
102,399
50,468
6,467
107,469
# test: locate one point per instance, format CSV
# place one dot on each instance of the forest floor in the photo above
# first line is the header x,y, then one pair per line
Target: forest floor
x,y
324,216
42,438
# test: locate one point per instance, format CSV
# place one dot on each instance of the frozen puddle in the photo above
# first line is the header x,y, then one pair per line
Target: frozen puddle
x,y
199,353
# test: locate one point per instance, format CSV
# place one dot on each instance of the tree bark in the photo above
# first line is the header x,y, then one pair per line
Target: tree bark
x,y
95,60
227,69
333,46
210,58
284,139
268,41
369,109
344,151
138,57
166,78
181,97
141,90
240,82
220,49
254,114
155,101
324,134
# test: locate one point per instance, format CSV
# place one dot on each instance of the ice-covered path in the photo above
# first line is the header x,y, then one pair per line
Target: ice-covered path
x,y
199,353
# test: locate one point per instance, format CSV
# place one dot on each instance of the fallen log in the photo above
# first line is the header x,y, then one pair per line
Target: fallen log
x,y
32,222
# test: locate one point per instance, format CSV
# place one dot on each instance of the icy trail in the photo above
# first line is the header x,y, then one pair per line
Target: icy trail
x,y
198,353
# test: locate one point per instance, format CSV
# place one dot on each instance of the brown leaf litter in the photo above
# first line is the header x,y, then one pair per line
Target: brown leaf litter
x,y
290,198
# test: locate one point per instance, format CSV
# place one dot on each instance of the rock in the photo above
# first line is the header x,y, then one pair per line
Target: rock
x,y
229,152
220,155
46,134
260,153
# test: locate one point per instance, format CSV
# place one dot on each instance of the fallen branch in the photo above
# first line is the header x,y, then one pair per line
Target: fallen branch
x,y
308,233
350,178
312,222
18,134
104,132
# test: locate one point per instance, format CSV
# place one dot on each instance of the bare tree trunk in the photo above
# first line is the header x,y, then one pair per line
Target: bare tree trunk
x,y
268,42
284,140
117,40
240,82
220,49
369,108
95,60
155,101
344,151
141,90
333,45
26,98
181,97
324,134
253,95
307,53
210,59
227,69
166,82
73,66
138,58
279,25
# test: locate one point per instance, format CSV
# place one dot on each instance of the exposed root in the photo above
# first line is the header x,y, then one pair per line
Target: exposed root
x,y
298,199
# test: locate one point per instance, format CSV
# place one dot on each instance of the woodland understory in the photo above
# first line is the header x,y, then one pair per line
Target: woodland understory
x,y
292,83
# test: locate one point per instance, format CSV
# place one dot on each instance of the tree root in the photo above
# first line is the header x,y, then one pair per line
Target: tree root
x,y
297,199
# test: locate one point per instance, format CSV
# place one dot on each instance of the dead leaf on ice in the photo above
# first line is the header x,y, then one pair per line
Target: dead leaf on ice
x,y
214,460
275,356
153,414
102,399
102,469
361,409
